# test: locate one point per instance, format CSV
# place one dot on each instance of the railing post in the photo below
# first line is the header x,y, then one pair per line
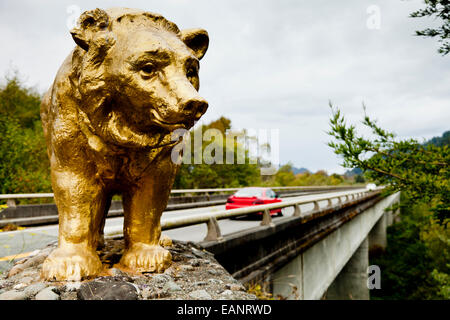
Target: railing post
x,y
329,203
267,218
297,210
213,230
316,206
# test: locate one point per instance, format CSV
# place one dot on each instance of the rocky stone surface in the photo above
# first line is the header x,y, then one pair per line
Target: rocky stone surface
x,y
107,289
49,293
194,274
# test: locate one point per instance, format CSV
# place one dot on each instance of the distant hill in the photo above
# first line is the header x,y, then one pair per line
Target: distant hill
x,y
440,141
299,170
353,172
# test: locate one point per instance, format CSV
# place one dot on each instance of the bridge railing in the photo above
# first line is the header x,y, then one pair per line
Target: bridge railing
x,y
211,219
11,198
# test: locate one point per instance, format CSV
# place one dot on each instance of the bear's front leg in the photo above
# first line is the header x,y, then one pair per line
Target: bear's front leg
x,y
143,207
81,204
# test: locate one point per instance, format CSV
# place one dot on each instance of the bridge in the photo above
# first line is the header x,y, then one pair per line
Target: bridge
x,y
318,249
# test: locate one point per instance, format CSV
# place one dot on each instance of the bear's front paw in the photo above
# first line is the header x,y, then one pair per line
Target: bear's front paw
x,y
71,265
146,258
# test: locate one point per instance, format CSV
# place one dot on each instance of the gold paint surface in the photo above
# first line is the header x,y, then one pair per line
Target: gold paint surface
x,y
129,83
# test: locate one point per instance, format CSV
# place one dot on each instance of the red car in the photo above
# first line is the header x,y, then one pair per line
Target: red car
x,y
253,196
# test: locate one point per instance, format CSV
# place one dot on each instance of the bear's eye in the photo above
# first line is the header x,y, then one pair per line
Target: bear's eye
x,y
147,70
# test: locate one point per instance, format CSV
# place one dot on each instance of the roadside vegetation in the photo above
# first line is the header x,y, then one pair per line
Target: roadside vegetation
x,y
24,166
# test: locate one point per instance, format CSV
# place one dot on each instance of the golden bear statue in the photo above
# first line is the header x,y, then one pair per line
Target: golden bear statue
x,y
108,119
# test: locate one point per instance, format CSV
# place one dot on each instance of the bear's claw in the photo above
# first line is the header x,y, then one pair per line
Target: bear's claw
x,y
71,265
146,258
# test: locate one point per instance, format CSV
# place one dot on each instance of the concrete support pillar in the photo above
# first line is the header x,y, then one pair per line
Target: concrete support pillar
x,y
389,218
287,282
351,282
377,236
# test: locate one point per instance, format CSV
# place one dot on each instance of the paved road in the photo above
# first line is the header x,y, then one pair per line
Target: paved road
x,y
23,241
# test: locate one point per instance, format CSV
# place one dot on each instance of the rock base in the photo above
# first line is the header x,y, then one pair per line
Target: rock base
x,y
194,275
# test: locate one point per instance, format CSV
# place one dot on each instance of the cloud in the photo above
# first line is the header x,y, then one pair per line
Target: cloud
x,y
276,64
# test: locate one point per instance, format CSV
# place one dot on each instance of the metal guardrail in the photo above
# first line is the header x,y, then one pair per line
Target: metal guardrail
x,y
211,219
10,198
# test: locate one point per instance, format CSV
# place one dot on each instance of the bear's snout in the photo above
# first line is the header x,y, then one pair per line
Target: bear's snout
x,y
194,108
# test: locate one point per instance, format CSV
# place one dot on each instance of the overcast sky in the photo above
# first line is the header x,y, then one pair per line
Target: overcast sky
x,y
275,64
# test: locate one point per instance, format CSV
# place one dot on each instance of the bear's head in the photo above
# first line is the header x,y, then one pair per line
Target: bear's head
x,y
135,76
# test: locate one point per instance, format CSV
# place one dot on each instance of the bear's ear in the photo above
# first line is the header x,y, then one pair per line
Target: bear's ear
x,y
89,23
197,40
